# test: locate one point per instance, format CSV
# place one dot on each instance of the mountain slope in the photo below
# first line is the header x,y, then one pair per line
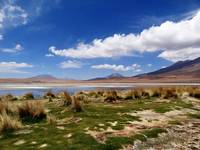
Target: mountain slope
x,y
43,77
182,68
111,76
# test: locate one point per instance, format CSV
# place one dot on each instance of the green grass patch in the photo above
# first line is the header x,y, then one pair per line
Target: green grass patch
x,y
174,122
153,133
196,116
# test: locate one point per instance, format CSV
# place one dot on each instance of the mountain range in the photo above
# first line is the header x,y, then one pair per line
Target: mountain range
x,y
182,71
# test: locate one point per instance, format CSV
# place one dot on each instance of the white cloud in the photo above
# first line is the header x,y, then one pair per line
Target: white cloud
x,y
12,67
70,64
13,71
182,54
134,67
15,49
149,65
12,15
49,55
167,37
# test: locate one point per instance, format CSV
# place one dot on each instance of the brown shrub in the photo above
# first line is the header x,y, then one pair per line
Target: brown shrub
x,y
8,107
28,96
110,96
76,104
49,94
195,92
9,97
170,93
128,95
32,111
157,92
66,99
8,123
137,93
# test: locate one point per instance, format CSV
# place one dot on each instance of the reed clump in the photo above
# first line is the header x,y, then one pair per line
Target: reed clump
x,y
195,92
49,94
28,96
32,112
9,97
110,96
66,99
8,107
137,94
169,93
76,104
9,123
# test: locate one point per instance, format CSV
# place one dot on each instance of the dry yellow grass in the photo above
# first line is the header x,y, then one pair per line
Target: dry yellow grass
x,y
66,99
76,104
32,111
8,123
28,96
8,107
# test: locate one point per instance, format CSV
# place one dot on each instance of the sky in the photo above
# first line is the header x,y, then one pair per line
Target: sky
x,y
76,39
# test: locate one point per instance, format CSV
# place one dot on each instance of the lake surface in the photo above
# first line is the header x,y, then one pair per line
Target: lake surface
x,y
39,89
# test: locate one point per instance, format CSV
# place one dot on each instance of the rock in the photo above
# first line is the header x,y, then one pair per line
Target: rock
x,y
20,142
43,145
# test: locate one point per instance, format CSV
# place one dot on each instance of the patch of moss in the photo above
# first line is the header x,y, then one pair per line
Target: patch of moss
x,y
196,116
153,133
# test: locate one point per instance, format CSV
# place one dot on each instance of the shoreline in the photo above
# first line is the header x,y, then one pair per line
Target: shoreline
x,y
4,86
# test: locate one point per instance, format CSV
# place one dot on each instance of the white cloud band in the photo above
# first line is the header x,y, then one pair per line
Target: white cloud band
x,y
171,38
134,67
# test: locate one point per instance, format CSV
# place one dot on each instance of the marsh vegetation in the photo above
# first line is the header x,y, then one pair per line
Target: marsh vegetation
x,y
104,119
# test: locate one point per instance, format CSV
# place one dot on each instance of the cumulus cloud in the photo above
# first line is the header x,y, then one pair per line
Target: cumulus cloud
x,y
12,15
15,49
134,67
169,37
13,67
182,54
70,64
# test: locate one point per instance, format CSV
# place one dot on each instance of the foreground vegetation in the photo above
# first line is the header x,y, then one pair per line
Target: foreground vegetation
x,y
104,119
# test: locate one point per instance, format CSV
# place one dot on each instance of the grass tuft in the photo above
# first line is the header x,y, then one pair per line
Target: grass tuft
x,y
66,99
28,96
76,104
32,112
8,123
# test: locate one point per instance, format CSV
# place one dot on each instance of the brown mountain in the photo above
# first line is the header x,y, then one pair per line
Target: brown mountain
x,y
182,71
190,68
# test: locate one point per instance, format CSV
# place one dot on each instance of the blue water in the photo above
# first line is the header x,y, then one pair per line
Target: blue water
x,y
39,89
38,92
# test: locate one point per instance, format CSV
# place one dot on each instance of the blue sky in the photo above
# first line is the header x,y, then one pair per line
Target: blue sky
x,y
94,38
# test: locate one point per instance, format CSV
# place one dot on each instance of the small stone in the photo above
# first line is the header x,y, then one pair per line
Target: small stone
x,y
101,125
43,145
60,127
33,142
20,142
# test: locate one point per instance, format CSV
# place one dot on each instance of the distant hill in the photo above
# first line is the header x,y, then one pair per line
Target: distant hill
x,y
115,75
111,76
43,77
